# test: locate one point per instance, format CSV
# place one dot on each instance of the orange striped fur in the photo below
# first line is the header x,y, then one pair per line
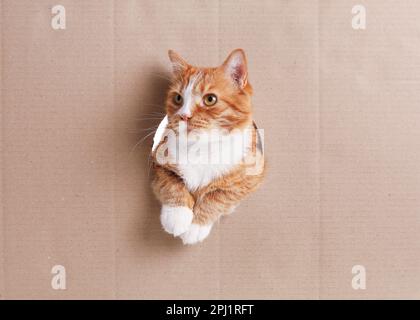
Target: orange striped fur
x,y
190,212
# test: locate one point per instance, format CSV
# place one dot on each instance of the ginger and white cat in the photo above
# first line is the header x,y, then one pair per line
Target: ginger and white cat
x,y
207,152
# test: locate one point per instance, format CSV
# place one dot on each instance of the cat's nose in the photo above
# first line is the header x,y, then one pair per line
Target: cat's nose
x,y
184,116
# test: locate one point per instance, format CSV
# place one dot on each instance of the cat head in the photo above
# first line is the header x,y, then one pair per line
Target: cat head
x,y
210,98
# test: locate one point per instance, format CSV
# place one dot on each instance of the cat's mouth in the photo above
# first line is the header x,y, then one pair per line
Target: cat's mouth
x,y
192,125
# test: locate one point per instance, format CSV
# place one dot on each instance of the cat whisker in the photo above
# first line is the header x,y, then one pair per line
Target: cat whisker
x,y
141,141
145,129
141,119
137,131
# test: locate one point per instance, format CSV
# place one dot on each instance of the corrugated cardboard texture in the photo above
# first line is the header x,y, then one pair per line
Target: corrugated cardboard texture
x,y
340,111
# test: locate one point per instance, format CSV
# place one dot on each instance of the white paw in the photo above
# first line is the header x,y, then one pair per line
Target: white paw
x,y
176,220
196,233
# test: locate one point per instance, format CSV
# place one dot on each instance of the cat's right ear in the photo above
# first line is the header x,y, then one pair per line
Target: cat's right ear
x,y
179,65
235,67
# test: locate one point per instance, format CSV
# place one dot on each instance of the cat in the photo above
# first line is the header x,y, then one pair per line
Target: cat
x,y
208,110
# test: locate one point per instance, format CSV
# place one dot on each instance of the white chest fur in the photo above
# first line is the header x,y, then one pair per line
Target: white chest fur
x,y
207,155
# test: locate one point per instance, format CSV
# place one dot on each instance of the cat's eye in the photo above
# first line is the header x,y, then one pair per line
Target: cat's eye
x,y
210,99
178,99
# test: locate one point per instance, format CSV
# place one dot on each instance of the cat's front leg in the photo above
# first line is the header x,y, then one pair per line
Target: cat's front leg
x,y
177,202
207,210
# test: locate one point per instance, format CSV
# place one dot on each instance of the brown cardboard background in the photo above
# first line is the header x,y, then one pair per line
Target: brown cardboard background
x,y
370,149
340,112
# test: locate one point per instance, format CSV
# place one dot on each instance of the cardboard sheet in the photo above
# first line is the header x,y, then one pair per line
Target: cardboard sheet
x,y
341,117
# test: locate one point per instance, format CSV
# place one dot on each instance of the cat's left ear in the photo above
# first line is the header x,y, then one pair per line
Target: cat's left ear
x,y
235,67
178,64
